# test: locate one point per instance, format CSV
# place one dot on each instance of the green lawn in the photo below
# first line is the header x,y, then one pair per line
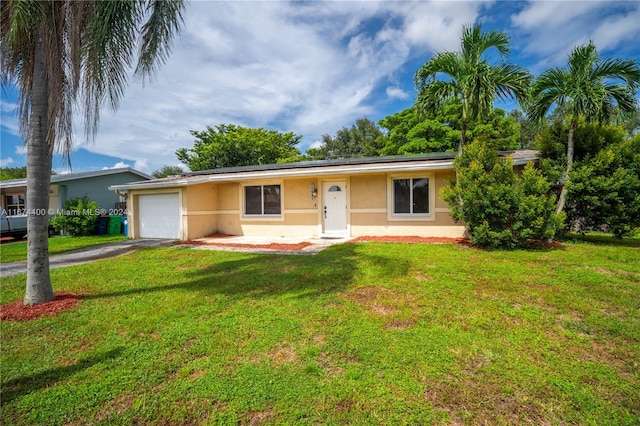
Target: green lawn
x,y
362,334
12,252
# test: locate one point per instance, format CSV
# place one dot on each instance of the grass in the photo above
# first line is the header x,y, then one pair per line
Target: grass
x,y
16,251
601,237
362,333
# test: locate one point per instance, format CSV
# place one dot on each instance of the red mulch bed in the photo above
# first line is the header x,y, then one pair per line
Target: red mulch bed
x,y
18,311
412,239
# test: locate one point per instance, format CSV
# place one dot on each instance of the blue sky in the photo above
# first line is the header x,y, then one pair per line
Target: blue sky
x,y
314,67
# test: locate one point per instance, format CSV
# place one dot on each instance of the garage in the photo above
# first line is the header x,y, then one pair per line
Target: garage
x,y
159,215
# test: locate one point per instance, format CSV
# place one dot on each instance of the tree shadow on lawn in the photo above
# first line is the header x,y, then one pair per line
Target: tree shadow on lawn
x,y
24,385
265,275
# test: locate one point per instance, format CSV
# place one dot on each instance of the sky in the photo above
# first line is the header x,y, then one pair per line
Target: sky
x,y
314,67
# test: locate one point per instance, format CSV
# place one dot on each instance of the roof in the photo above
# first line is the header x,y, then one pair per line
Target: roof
x,y
76,176
396,163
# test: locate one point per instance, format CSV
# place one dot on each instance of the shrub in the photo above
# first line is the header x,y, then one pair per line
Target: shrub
x,y
79,217
604,191
499,207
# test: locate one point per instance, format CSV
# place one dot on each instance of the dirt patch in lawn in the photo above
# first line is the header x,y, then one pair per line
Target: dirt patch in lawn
x,y
18,311
270,246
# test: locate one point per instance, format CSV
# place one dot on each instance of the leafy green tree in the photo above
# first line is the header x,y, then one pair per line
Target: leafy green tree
x,y
409,132
79,218
230,146
470,77
357,141
166,170
603,192
63,54
591,87
528,129
499,207
8,173
589,138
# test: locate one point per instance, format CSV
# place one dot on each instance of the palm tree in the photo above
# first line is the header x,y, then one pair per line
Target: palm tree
x,y
470,77
591,87
63,53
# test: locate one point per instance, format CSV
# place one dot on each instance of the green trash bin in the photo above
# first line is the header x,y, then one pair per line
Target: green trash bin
x,y
115,225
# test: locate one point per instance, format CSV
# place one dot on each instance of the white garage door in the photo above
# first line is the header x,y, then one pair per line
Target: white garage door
x,y
159,216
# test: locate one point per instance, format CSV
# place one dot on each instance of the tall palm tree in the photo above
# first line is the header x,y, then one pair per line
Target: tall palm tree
x,y
469,76
66,53
592,87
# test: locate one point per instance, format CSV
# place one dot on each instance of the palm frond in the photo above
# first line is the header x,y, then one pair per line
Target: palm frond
x,y
164,22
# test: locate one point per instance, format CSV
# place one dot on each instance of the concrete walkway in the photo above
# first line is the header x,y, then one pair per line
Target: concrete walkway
x,y
86,255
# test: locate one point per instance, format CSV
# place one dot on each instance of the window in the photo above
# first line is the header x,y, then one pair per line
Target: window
x,y
14,204
411,196
262,200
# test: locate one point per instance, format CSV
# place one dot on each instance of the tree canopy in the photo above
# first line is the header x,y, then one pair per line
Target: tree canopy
x,y
412,132
167,170
357,141
228,145
8,173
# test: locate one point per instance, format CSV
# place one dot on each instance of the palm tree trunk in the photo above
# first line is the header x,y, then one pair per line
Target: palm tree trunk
x,y
39,153
463,136
565,176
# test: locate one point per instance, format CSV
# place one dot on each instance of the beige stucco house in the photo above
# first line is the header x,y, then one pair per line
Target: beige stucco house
x,y
377,196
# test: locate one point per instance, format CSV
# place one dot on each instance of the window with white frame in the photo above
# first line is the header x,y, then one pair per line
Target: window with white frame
x,y
411,196
262,200
14,204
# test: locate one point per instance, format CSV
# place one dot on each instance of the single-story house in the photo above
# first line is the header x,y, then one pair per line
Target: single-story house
x,y
68,186
379,196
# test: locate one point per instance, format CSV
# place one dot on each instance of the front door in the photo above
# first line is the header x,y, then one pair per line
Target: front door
x,y
335,207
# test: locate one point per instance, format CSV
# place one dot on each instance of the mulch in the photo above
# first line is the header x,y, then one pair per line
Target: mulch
x,y
411,240
18,311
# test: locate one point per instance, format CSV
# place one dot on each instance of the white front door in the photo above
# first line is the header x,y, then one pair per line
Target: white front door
x,y
334,211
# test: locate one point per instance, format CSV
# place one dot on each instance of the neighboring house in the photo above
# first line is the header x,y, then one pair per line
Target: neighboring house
x,y
378,196
67,186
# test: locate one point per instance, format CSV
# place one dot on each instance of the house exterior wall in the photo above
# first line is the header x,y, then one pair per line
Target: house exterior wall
x,y
200,213
218,207
96,188
371,200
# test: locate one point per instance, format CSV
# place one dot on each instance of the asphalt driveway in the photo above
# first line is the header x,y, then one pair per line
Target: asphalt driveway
x,y
86,255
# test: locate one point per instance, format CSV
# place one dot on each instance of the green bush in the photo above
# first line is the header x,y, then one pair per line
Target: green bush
x,y
499,207
79,218
604,191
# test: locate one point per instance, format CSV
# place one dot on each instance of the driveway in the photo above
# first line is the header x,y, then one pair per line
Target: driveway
x,y
86,255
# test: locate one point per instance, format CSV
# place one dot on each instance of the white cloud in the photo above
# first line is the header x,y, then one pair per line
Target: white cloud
x,y
118,165
554,28
306,68
142,165
9,119
4,162
397,93
21,149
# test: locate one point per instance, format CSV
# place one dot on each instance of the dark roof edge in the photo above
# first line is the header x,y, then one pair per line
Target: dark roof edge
x,y
326,163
